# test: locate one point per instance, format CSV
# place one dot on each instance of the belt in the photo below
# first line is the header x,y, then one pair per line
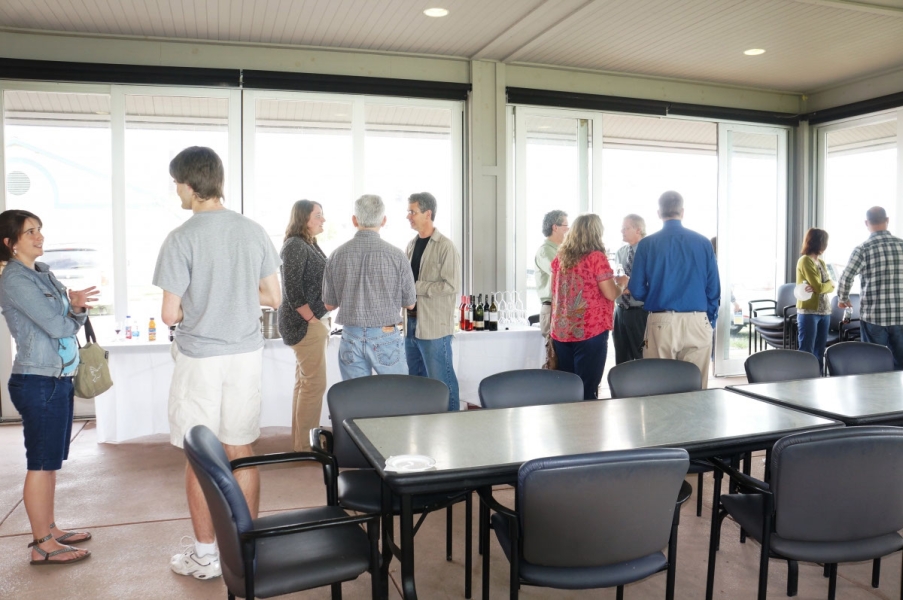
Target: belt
x,y
679,312
547,303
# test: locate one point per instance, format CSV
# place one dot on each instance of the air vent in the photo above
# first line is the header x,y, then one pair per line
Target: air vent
x,y
17,183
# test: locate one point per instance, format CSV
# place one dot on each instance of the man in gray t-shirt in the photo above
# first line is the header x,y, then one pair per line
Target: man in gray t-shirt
x,y
216,270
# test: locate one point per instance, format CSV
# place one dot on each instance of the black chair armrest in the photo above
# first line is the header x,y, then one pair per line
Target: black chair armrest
x,y
330,467
845,329
754,312
749,485
300,527
787,309
321,440
487,499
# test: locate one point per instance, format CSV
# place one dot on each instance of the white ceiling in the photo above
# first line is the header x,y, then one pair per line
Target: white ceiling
x,y
810,44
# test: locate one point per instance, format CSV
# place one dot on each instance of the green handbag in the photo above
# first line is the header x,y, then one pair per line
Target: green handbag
x,y
93,376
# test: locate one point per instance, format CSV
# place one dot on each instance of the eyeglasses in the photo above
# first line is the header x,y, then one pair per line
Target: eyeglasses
x,y
411,213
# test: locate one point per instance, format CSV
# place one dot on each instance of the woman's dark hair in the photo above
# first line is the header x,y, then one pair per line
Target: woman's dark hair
x,y
200,168
12,224
297,221
815,242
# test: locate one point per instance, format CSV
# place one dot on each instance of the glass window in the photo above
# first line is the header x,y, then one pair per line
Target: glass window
x,y
58,166
303,150
860,172
408,149
157,127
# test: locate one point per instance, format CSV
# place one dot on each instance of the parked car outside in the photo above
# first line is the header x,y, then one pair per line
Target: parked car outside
x,y
80,267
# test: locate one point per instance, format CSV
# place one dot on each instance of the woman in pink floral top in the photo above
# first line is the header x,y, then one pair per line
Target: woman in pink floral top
x,y
583,292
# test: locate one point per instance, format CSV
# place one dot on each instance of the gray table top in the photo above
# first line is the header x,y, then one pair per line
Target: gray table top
x,y
876,398
495,442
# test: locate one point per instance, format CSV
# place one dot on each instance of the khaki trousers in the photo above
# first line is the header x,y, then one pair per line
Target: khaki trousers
x,y
681,336
310,383
545,327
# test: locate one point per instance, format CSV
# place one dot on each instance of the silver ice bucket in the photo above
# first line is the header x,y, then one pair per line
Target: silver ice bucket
x,y
269,325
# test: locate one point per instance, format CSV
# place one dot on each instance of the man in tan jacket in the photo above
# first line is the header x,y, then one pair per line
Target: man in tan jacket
x,y
436,265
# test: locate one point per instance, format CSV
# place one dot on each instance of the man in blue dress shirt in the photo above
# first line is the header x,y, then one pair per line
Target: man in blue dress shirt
x,y
675,274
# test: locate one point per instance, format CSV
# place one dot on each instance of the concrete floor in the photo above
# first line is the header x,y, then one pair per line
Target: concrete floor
x,y
130,496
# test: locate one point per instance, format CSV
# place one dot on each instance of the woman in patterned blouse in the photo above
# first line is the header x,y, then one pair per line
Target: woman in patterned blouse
x,y
584,288
300,316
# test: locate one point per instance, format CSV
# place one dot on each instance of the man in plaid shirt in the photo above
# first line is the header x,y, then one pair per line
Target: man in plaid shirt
x,y
879,263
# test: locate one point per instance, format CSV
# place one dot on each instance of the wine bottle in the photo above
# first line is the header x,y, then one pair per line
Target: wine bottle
x,y
493,316
468,314
478,315
463,308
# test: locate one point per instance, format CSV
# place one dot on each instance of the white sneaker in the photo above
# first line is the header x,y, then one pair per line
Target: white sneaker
x,y
199,567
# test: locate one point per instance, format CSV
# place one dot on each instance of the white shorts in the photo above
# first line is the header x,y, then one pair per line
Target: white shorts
x,y
221,392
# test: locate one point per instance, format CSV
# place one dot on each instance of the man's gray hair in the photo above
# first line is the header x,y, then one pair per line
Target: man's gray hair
x,y
425,201
552,218
670,204
369,210
876,215
638,222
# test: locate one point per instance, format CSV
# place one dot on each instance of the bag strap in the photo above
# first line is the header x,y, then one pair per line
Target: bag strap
x,y
89,332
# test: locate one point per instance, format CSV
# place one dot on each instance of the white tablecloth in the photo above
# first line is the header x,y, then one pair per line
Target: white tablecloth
x,y
136,405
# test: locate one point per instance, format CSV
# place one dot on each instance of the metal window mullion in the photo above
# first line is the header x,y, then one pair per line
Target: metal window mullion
x,y
358,115
117,170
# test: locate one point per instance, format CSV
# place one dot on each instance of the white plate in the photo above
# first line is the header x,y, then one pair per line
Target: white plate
x,y
800,292
410,463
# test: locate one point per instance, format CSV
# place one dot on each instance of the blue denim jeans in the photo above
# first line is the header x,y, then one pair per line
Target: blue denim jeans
x,y
813,335
585,358
433,359
367,349
46,405
890,336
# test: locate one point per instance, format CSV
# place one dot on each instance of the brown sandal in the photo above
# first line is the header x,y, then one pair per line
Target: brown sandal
x,y
63,538
46,560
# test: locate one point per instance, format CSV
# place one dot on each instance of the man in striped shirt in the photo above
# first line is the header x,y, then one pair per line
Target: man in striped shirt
x,y
879,264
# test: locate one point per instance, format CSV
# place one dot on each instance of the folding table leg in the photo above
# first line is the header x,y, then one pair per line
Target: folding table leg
x,y
407,548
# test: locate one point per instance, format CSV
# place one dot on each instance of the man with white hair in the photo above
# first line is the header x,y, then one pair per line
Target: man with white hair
x,y
369,281
629,331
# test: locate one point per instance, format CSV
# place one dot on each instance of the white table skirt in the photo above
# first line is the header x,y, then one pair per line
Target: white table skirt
x,y
136,405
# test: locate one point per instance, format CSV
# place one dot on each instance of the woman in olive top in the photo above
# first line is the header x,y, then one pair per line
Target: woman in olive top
x,y
813,316
299,316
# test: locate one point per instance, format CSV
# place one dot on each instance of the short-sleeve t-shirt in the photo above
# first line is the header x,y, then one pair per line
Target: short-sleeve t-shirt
x,y
214,262
579,310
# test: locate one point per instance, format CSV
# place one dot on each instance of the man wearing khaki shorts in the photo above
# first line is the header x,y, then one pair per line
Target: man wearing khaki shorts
x,y
216,270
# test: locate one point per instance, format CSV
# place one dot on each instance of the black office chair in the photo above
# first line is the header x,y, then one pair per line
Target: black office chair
x,y
284,552
770,366
856,358
529,387
359,487
653,376
606,530
822,505
773,322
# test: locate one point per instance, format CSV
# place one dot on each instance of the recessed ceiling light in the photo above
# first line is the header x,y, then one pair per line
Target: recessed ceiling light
x,y
754,52
435,12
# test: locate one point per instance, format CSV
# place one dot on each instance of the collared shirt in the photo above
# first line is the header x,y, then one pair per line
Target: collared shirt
x,y
544,257
438,285
674,269
626,300
370,280
879,263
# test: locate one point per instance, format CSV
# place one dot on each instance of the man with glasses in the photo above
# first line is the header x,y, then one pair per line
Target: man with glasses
x,y
630,316
436,266
554,227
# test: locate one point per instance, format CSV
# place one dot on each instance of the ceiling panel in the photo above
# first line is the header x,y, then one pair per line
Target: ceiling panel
x,y
810,44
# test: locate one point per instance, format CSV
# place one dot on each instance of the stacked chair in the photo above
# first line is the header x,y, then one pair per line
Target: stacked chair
x,y
773,322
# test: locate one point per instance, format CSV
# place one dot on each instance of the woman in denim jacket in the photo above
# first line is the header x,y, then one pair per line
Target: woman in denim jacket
x,y
43,320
